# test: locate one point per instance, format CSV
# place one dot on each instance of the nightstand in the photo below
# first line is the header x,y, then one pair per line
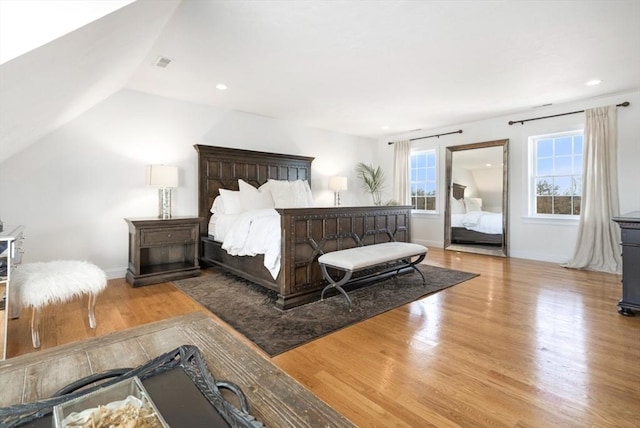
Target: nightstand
x,y
162,250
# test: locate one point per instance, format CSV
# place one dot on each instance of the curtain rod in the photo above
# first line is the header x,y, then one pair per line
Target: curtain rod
x,y
521,122
459,131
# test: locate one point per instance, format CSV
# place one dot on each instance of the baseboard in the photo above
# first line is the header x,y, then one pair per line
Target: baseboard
x,y
116,273
541,257
427,243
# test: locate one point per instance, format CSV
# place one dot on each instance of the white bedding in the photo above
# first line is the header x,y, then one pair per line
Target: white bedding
x,y
246,223
219,225
251,233
480,221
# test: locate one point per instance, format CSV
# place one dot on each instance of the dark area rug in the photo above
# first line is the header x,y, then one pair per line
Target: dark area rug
x,y
250,309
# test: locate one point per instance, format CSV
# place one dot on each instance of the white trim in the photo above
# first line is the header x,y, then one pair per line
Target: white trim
x,y
541,257
425,213
571,221
116,273
429,243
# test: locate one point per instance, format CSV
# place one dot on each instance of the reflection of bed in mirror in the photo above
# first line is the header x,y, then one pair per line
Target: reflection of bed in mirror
x,y
473,226
476,209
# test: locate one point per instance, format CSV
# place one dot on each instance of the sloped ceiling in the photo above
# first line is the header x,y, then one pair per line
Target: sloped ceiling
x,y
51,85
347,66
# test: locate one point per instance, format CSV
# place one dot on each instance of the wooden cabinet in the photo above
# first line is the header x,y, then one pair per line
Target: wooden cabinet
x,y
630,232
11,239
162,250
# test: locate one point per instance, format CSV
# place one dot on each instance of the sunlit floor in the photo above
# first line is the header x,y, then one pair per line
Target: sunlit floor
x,y
526,344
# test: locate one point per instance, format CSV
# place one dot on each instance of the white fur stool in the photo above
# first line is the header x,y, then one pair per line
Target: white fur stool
x,y
40,284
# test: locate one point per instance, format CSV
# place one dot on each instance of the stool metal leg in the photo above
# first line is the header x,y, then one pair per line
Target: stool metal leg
x,y
35,327
413,265
92,310
334,284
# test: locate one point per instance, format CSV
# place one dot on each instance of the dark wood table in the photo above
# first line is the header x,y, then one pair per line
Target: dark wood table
x,y
274,397
630,233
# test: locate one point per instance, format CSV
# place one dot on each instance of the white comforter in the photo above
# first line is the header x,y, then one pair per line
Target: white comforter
x,y
480,221
256,232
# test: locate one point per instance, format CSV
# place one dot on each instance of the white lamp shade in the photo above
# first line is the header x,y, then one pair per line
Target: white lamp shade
x,y
161,176
337,184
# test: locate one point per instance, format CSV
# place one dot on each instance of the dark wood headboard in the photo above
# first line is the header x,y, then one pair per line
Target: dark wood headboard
x,y
221,167
457,190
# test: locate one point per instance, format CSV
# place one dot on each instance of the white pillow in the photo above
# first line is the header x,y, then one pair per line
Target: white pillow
x,y
473,204
289,194
307,191
218,206
231,200
457,206
254,199
279,190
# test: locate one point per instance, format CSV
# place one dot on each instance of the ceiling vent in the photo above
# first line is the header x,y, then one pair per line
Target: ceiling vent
x,y
162,62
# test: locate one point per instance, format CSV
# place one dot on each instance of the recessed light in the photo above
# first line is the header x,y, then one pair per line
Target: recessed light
x,y
594,82
221,87
487,164
385,127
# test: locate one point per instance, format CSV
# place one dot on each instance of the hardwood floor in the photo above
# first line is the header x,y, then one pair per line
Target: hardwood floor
x,y
526,344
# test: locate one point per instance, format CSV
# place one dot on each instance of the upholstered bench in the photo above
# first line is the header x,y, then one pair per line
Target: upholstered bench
x,y
39,284
370,256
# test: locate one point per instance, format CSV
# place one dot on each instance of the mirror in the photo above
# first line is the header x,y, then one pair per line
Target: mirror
x,y
476,211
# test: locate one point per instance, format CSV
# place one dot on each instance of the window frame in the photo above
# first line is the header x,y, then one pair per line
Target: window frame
x,y
436,180
532,174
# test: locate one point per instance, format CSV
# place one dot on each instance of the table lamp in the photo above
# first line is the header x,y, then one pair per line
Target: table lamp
x,y
337,184
164,178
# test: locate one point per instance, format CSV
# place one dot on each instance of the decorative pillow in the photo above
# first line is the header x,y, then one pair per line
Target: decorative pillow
x,y
218,206
254,199
231,200
473,204
457,206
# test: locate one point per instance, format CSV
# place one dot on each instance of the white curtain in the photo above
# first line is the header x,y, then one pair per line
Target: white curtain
x,y
401,191
598,245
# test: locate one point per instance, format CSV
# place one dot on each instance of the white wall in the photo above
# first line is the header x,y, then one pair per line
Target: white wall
x,y
530,238
73,188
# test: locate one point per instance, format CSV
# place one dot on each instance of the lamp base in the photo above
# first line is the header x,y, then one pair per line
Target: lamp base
x,y
336,199
164,203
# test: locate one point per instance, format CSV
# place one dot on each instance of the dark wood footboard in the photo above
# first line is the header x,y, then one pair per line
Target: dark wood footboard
x,y
307,233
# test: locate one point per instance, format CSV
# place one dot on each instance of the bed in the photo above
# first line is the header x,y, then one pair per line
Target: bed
x,y
306,233
475,226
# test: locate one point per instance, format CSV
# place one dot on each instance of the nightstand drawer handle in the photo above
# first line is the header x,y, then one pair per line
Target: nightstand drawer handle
x,y
168,235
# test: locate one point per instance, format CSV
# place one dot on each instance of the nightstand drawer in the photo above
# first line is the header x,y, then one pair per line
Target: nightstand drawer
x,y
178,235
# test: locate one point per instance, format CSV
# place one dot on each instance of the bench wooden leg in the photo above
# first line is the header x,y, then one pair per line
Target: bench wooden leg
x,y
333,284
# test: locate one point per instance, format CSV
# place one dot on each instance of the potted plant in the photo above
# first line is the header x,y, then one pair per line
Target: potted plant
x,y
372,180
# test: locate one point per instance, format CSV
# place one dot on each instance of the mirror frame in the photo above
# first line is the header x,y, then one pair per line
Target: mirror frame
x,y
503,251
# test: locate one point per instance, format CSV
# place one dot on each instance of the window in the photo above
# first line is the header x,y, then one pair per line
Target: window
x,y
556,179
423,180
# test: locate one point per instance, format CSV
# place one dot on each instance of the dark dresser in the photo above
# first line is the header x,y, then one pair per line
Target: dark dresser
x,y
630,231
